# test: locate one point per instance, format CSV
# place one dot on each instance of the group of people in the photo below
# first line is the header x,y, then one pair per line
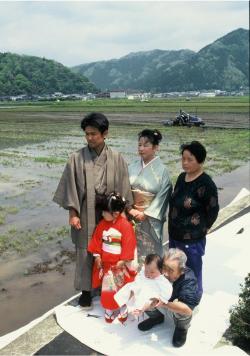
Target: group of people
x,y
117,213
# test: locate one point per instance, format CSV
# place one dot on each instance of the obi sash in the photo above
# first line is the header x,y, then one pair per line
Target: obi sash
x,y
142,199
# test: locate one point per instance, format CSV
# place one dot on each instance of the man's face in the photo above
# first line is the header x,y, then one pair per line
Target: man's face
x,y
94,137
171,269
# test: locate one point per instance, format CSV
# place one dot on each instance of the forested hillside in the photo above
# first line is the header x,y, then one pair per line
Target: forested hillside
x,y
224,65
34,75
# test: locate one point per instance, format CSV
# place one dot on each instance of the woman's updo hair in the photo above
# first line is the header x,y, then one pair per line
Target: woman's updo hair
x,y
153,136
197,150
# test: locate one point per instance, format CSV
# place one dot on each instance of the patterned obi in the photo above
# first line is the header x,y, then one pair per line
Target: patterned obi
x,y
111,241
142,199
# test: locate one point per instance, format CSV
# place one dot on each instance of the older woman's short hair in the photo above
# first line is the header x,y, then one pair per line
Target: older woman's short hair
x,y
178,255
196,149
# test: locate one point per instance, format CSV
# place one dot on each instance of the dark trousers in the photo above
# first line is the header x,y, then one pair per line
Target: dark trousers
x,y
180,320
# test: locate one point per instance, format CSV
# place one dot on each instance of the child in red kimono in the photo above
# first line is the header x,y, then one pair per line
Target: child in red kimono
x,y
113,246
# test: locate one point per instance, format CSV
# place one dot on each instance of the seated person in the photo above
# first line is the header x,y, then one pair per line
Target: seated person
x,y
184,299
148,284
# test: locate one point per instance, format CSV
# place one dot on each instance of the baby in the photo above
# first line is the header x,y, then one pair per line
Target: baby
x,y
148,284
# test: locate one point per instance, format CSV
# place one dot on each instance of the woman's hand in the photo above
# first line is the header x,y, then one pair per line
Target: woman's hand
x,y
74,220
138,215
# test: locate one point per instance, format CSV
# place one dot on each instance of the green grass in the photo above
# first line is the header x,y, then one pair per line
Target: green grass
x,y
218,104
23,242
5,210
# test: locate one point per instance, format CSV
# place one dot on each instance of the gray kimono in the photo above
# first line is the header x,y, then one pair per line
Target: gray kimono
x,y
86,174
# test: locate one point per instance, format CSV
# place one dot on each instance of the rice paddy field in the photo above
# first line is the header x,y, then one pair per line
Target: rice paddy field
x,y
35,143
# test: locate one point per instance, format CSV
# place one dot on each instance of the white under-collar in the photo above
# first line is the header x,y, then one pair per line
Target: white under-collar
x,y
146,164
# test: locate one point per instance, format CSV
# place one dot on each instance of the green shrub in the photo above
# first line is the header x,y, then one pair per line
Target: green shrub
x,y
239,330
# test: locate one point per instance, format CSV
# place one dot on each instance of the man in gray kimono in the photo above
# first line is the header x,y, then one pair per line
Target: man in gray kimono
x,y
91,172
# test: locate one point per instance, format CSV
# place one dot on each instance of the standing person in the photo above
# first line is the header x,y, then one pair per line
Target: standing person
x,y
151,188
184,298
113,247
90,173
193,208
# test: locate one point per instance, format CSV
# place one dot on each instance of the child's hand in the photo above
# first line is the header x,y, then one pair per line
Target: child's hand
x,y
120,264
156,303
98,262
101,273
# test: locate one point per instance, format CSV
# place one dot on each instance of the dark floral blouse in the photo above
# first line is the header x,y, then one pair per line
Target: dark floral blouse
x,y
193,208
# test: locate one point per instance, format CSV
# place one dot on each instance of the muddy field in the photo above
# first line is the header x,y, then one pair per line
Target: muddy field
x,y
36,255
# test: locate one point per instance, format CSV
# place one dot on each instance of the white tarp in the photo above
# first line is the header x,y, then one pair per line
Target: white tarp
x,y
225,266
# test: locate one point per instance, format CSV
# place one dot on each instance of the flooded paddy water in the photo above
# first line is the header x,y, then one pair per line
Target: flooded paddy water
x,y
36,254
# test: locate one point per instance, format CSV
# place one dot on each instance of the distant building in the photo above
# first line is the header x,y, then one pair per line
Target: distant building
x,y
117,94
207,94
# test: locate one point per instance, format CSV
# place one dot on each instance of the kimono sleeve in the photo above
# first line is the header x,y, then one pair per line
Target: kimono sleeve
x,y
128,241
158,207
125,189
95,243
67,194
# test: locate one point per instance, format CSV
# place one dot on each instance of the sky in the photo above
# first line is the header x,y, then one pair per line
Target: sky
x,y
77,32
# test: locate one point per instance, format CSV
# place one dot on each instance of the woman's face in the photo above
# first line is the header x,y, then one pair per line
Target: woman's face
x,y
146,150
190,163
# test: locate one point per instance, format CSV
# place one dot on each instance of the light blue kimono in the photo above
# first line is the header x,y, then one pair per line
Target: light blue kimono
x,y
154,179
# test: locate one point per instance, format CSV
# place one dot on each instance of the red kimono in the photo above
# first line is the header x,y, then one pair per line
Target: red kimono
x,y
113,241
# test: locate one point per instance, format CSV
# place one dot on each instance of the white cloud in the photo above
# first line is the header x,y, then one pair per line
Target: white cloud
x,y
74,32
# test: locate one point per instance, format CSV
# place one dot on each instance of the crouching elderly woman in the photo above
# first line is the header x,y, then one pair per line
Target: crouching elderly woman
x,y
184,299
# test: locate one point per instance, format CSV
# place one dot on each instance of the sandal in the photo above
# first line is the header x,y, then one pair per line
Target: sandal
x,y
123,316
109,318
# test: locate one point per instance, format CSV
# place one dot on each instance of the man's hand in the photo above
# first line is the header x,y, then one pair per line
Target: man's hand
x,y
74,220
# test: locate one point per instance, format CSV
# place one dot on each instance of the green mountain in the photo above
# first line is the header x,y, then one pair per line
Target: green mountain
x,y
34,75
224,65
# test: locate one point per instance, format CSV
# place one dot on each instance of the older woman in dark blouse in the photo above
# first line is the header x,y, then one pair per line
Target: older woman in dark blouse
x,y
193,208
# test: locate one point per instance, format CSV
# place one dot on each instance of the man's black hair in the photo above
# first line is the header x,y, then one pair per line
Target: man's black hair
x,y
97,120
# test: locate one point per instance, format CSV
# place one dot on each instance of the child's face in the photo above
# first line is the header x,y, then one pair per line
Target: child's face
x,y
110,216
151,270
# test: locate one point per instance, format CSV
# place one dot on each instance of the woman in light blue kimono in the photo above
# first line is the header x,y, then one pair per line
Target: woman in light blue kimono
x,y
151,188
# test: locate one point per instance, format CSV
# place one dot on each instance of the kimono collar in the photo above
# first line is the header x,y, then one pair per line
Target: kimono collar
x,y
145,165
